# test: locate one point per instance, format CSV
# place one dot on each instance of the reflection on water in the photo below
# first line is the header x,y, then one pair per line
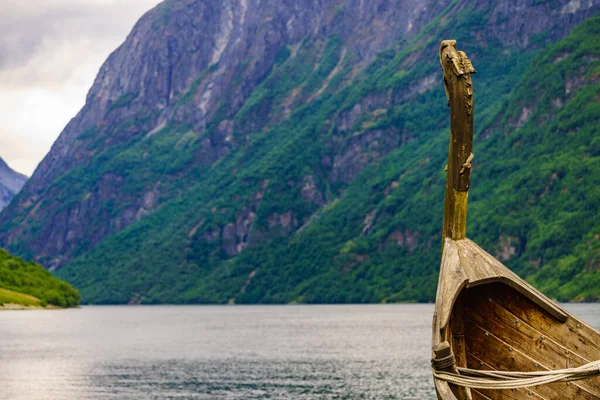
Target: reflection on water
x,y
255,352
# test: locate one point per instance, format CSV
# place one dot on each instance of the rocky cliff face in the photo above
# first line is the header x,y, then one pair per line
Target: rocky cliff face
x,y
11,183
194,64
221,128
185,59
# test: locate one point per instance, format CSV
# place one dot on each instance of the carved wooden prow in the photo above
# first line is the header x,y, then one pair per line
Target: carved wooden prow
x,y
457,70
465,266
459,89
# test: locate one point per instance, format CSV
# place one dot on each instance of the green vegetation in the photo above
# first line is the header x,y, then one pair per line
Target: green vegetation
x,y
241,228
10,297
533,194
189,95
29,284
549,192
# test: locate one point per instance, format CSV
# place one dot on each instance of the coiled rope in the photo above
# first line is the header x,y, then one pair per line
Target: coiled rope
x,y
440,364
501,380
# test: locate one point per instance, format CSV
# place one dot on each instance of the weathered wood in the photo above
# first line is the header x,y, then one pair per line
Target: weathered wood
x,y
451,281
477,395
441,351
551,391
514,331
512,395
574,334
475,265
489,317
511,279
482,268
458,332
457,338
499,355
476,363
442,389
457,70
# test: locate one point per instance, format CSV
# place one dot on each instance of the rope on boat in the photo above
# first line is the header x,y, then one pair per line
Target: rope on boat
x,y
444,362
467,164
500,380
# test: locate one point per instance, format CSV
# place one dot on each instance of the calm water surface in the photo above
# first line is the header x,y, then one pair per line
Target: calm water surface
x,y
255,352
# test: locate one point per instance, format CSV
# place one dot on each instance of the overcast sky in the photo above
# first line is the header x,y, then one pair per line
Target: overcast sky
x,y
50,53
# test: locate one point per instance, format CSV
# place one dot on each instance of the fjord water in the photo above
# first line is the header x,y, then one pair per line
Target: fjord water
x,y
212,352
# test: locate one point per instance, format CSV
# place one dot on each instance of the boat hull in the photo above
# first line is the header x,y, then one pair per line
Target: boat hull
x,y
493,320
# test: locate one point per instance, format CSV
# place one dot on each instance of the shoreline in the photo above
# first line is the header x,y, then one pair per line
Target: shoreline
x,y
20,307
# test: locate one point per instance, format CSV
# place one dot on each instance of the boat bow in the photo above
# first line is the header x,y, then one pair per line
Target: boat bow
x,y
486,317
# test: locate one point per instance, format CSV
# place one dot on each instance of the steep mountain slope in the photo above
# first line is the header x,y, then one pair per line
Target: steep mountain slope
x,y
258,151
173,97
10,183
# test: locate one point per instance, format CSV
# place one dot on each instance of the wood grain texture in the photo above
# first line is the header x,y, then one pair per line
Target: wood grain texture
x,y
457,338
486,351
477,395
457,69
537,333
574,334
476,363
451,281
482,268
538,342
489,316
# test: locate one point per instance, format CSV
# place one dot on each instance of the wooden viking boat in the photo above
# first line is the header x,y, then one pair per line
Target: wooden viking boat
x,y
494,335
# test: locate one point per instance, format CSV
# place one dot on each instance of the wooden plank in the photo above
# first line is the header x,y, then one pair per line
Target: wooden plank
x,y
490,315
451,281
477,268
573,334
457,340
442,388
477,395
499,355
528,393
510,395
507,326
508,277
458,334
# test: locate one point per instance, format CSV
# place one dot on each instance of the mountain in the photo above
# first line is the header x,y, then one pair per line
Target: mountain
x,y
30,285
10,183
260,151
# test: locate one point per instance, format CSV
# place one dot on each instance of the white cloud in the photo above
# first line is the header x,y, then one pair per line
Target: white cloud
x,y
50,53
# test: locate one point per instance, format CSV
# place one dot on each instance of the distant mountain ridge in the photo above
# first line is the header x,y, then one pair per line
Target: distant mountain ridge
x,y
266,151
11,183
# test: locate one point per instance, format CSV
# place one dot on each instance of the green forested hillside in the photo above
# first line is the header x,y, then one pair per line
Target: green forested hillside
x,y
558,196
318,177
534,197
31,285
